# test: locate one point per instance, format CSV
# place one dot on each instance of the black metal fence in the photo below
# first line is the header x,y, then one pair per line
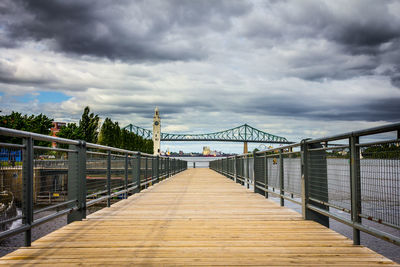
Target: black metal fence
x,y
39,183
353,178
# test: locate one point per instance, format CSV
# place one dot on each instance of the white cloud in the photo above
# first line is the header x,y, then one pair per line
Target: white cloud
x,y
268,66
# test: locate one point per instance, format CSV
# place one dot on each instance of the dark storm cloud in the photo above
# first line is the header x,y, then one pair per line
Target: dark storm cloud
x,y
146,110
123,30
357,28
395,75
395,80
387,109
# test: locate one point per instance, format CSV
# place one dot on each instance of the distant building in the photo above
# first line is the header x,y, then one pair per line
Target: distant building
x,y
156,132
55,129
206,151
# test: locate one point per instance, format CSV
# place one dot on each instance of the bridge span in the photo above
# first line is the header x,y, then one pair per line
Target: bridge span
x,y
243,133
197,217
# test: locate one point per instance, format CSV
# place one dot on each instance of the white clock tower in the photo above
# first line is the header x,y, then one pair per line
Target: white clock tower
x,y
156,132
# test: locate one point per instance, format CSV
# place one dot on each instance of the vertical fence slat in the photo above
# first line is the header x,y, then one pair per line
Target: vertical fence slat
x,y
281,178
138,172
355,186
266,174
255,189
109,178
27,203
126,176
77,181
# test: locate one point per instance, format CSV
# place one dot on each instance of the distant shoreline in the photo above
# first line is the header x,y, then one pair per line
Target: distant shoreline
x,y
198,156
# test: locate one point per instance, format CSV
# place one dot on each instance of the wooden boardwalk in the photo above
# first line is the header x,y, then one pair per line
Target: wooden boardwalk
x,y
197,217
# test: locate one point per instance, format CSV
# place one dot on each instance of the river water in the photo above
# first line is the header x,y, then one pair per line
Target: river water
x,y
201,162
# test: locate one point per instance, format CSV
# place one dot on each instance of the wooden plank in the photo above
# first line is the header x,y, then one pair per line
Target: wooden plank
x,y
198,217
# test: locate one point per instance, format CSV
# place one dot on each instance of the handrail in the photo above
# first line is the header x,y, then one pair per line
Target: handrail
x,y
42,137
76,162
303,174
36,136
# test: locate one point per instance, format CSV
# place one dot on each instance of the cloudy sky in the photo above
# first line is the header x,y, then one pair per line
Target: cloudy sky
x,y
291,68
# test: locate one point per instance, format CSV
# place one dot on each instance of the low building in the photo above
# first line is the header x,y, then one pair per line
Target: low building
x,y
55,129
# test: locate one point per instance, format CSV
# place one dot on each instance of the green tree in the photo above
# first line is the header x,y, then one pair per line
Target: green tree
x,y
70,131
86,130
110,133
384,151
40,124
37,124
88,126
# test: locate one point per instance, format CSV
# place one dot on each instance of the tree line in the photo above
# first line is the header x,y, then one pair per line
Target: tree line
x,y
88,129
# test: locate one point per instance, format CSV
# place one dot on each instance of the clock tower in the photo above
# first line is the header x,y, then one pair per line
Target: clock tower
x,y
156,132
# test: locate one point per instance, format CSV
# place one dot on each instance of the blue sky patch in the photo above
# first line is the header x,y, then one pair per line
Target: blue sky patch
x,y
44,97
54,97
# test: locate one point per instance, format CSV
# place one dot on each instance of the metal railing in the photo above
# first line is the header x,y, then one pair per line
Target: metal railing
x,y
39,183
347,177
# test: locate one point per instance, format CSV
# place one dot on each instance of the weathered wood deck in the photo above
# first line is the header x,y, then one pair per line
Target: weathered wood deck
x,y
197,217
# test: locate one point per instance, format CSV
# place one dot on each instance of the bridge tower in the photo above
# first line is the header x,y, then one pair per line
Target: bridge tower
x,y
156,132
245,149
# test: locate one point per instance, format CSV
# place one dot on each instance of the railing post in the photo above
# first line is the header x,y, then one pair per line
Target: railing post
x,y
304,181
266,175
168,168
281,178
27,203
137,170
161,168
255,189
77,181
153,171
309,176
224,163
248,172
165,174
235,168
109,178
165,168
229,169
126,175
194,165
157,169
355,186
145,172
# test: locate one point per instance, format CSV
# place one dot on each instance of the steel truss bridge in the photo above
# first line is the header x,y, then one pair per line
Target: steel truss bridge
x,y
244,133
